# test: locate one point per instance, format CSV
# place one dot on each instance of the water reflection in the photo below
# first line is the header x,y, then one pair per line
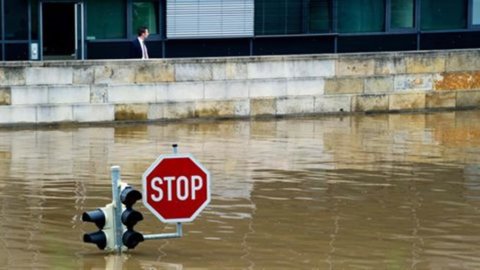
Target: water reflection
x,y
395,191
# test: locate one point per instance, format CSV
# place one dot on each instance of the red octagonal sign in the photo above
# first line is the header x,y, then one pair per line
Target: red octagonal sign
x,y
176,188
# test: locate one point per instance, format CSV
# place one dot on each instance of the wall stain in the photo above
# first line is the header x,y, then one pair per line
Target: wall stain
x,y
458,81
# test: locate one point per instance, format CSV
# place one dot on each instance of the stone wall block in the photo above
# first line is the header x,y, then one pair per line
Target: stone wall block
x,y
132,93
99,93
54,113
310,68
183,110
333,104
263,107
193,72
219,71
68,94
48,75
420,63
102,74
302,87
390,65
215,90
226,90
12,76
463,61
355,67
298,105
114,74
436,100
154,73
236,71
93,112
22,95
18,114
184,91
122,75
267,88
420,82
161,90
215,109
370,103
156,111
84,75
344,86
242,107
131,112
266,70
5,96
405,102
378,84
457,81
468,99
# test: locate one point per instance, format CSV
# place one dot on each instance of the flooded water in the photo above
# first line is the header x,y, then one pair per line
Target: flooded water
x,y
399,191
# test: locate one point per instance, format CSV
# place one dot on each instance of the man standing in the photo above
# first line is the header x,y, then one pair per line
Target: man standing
x,y
138,47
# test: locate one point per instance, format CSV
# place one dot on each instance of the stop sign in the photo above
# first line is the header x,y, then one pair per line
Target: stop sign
x,y
176,188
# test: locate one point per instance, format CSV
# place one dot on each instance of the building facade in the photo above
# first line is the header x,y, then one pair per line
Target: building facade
x,y
103,29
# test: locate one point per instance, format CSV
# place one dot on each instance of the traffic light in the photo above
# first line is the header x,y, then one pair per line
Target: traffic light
x,y
103,218
130,217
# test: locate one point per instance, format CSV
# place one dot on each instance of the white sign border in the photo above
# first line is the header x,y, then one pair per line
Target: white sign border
x,y
144,188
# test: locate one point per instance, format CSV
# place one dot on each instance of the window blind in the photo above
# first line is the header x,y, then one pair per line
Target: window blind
x,y
209,18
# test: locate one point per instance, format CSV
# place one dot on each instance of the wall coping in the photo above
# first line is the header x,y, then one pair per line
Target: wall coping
x,y
238,59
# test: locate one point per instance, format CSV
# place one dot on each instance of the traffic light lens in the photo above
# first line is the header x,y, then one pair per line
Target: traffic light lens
x,y
130,217
99,238
131,239
96,216
129,196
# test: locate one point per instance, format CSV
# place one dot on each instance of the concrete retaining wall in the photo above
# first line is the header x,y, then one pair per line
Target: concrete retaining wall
x,y
166,89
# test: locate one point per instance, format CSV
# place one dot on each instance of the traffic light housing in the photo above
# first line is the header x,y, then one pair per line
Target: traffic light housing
x,y
130,217
103,219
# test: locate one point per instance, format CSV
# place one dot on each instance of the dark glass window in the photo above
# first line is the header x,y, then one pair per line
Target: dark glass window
x,y
278,17
476,12
106,19
319,16
356,16
145,13
16,51
34,6
443,14
16,19
1,28
402,14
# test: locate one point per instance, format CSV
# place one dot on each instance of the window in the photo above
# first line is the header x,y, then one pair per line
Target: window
x,y
34,10
355,16
443,14
476,12
278,17
16,19
209,18
402,14
106,19
1,35
145,13
319,16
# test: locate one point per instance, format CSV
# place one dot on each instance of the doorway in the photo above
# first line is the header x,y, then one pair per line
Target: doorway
x,y
62,30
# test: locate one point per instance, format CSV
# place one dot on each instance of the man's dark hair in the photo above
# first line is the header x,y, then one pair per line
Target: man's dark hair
x,y
142,30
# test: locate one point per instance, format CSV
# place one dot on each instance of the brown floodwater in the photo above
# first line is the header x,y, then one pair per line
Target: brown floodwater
x,y
398,191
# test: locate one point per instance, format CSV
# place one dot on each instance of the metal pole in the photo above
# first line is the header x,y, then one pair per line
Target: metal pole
x,y
176,234
117,224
